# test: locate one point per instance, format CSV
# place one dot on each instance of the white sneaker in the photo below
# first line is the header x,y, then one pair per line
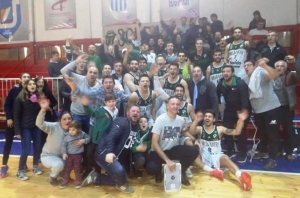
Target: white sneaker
x,y
188,173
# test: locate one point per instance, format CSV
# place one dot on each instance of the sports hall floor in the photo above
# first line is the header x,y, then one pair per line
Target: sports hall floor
x,y
283,182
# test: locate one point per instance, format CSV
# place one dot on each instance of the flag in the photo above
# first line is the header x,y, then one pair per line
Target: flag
x,y
118,5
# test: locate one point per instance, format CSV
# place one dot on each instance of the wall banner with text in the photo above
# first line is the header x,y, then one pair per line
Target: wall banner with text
x,y
60,14
14,20
175,9
117,12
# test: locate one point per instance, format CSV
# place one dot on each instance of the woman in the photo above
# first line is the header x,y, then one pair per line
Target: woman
x,y
51,154
256,17
9,130
45,92
26,110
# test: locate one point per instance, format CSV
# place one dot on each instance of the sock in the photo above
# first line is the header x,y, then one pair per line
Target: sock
x,y
207,168
238,173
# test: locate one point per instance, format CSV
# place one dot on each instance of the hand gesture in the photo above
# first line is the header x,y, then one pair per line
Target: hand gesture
x,y
44,104
109,158
243,115
199,117
262,62
10,123
80,142
84,100
82,59
290,59
70,81
65,156
18,136
171,165
129,49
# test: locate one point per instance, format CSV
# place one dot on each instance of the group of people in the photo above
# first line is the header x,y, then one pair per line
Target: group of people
x,y
139,109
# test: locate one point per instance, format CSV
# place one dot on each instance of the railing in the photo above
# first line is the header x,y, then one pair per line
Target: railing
x,y
7,83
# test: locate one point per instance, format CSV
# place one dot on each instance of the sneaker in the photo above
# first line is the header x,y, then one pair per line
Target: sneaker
x,y
185,181
36,170
217,173
188,173
245,180
126,188
22,176
77,185
158,178
242,158
270,165
90,178
3,172
64,184
53,181
261,155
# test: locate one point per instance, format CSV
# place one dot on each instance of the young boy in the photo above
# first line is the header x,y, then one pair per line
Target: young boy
x,y
141,146
103,117
72,149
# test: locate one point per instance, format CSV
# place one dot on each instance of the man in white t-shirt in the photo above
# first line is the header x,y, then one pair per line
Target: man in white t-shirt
x,y
165,143
266,107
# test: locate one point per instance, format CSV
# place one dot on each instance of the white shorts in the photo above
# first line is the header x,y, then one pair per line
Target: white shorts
x,y
213,161
182,139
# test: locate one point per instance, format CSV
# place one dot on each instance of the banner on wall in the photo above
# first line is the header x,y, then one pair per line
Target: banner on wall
x,y
60,14
118,31
117,12
175,9
14,20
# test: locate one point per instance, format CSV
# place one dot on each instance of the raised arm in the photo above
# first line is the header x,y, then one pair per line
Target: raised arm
x,y
272,73
47,127
194,128
186,92
129,82
133,99
242,115
226,54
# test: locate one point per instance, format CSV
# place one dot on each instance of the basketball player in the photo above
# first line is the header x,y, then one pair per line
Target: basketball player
x,y
210,141
236,52
145,98
214,71
169,83
131,79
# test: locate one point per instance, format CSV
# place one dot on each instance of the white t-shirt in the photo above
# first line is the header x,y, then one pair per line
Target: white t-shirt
x,y
169,130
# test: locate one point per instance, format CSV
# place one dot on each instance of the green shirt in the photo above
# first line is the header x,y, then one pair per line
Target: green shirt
x,y
98,62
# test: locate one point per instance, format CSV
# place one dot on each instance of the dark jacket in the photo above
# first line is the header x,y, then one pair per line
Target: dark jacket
x,y
236,96
54,68
278,53
25,113
115,137
65,94
207,95
10,101
217,26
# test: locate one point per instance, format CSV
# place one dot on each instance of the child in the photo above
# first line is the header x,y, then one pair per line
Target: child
x,y
71,150
102,117
141,146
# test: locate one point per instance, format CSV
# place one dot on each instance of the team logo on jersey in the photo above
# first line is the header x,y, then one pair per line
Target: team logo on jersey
x,y
204,55
10,17
242,46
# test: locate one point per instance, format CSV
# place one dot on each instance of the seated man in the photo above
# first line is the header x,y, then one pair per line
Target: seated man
x,y
211,151
113,151
165,144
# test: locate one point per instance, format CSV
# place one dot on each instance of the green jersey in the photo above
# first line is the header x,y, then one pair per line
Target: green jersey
x,y
145,104
216,73
237,57
169,87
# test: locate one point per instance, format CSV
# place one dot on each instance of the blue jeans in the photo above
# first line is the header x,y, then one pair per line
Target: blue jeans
x,y
26,136
116,172
84,121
